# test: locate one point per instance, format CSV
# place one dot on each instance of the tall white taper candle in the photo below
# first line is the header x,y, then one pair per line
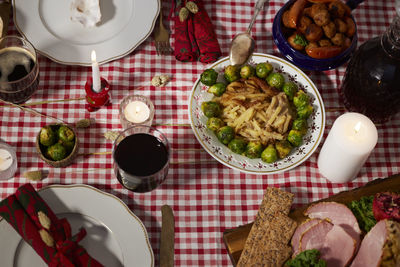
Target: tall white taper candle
x,y
95,73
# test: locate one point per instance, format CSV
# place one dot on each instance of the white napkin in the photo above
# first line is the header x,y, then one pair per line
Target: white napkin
x,y
86,12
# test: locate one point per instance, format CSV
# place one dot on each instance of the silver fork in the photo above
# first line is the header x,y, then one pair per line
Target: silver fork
x,y
161,37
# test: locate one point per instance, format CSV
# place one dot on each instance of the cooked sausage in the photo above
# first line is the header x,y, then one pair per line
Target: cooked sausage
x,y
285,19
294,44
295,11
341,26
324,42
323,52
351,27
313,32
322,17
338,39
304,22
338,9
329,29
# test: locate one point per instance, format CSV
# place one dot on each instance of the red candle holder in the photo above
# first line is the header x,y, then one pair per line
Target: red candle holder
x,y
97,100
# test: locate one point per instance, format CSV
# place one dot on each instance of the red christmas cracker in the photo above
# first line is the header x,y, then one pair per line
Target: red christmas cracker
x,y
12,211
29,214
205,36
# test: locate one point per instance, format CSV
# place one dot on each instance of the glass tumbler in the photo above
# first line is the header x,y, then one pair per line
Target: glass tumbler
x,y
19,69
141,158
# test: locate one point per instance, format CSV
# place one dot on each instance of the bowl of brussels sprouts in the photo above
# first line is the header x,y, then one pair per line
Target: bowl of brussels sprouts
x,y
57,145
264,117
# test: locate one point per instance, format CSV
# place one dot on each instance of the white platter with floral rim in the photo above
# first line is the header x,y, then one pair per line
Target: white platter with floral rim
x,y
209,141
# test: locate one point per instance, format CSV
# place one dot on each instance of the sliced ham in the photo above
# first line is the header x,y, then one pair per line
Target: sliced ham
x,y
300,230
314,237
380,246
338,248
338,214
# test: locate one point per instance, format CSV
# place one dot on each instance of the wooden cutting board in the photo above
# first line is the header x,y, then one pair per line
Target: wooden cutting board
x,y
235,239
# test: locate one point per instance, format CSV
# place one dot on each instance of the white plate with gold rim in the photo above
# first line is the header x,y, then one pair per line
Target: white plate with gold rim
x,y
124,25
316,122
115,236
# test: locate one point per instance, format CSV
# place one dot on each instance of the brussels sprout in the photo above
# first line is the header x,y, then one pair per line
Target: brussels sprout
x,y
300,99
275,80
305,111
225,134
263,69
217,89
247,71
283,148
269,154
231,73
209,77
300,125
290,89
211,109
47,136
69,145
237,145
56,152
214,124
295,137
65,134
254,150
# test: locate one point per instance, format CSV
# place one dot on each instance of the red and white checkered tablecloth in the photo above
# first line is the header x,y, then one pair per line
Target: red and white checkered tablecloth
x,y
206,196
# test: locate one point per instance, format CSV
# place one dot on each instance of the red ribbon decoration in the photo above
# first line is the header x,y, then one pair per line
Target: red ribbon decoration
x,y
65,249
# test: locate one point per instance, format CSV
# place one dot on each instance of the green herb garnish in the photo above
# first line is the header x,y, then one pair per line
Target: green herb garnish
x,y
307,258
362,209
300,40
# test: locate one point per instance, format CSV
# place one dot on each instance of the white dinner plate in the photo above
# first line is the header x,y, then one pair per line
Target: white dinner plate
x,y
115,236
124,25
316,122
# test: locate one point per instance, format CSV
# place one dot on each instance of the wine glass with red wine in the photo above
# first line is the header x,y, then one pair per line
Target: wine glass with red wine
x,y
141,158
19,69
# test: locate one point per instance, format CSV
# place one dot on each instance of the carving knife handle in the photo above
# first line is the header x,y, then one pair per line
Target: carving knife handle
x,y
167,237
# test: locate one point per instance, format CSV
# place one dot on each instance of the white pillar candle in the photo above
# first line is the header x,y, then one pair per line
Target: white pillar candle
x,y
95,73
137,112
349,143
6,160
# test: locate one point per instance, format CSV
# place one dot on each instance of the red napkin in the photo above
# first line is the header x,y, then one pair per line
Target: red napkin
x,y
195,37
33,219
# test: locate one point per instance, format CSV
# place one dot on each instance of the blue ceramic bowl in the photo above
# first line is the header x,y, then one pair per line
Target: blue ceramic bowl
x,y
300,59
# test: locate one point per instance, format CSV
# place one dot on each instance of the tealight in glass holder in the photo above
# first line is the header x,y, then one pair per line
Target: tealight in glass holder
x,y
136,109
8,161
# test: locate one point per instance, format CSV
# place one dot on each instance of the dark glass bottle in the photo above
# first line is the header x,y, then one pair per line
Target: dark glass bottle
x,y
371,84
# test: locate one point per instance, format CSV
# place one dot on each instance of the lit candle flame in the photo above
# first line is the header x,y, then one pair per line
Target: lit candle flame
x,y
137,109
93,56
357,127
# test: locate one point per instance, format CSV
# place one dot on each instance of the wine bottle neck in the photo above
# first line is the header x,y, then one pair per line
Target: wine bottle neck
x,y
391,39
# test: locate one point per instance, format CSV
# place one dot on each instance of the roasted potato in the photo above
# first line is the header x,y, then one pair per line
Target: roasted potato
x,y
341,26
313,33
329,29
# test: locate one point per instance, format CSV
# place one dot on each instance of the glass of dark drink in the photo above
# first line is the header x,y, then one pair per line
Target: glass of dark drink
x,y
19,70
141,158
